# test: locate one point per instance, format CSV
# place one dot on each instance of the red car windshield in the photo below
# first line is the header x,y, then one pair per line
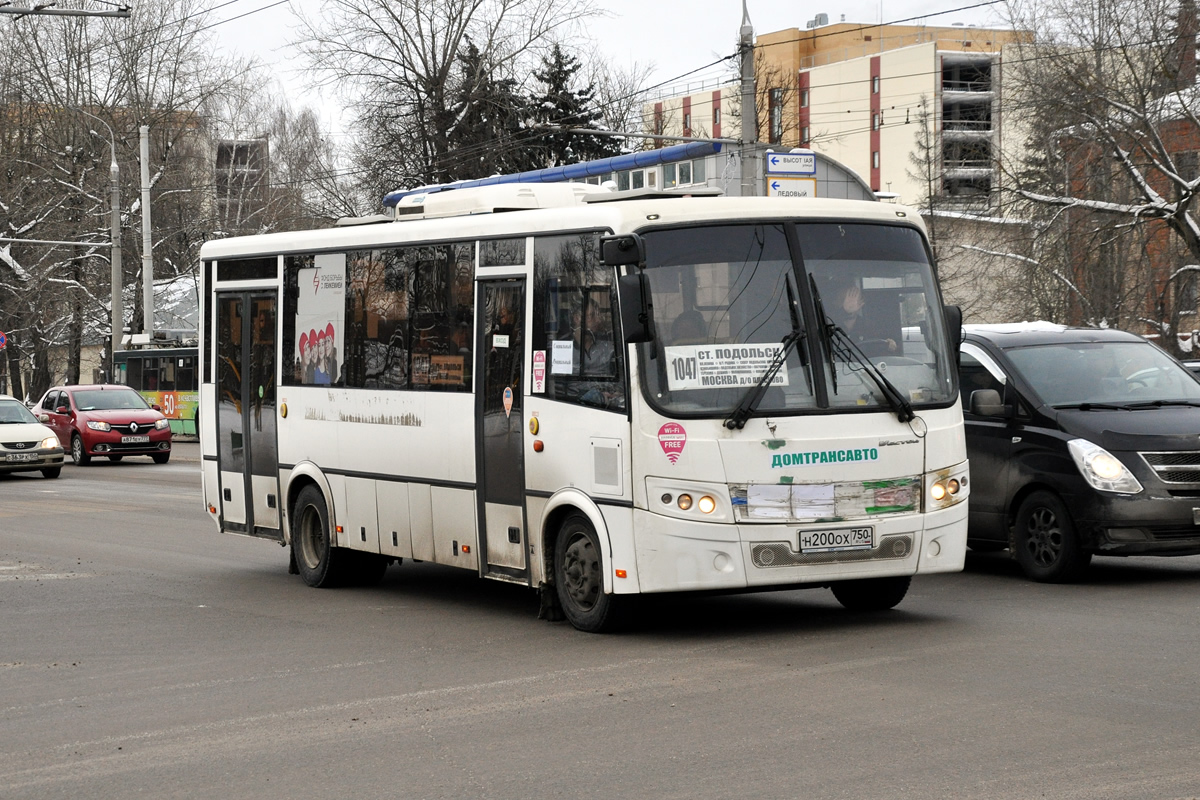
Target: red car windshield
x,y
103,400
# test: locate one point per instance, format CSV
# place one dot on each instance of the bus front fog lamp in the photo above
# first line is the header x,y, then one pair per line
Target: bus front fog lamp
x,y
684,502
707,505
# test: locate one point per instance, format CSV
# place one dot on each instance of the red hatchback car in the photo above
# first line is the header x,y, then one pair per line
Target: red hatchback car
x,y
106,420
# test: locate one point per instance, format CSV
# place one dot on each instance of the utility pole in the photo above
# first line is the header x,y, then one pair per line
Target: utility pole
x,y
118,306
749,110
147,240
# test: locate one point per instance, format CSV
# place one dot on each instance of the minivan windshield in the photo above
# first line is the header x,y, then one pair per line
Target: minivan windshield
x,y
1121,374
729,302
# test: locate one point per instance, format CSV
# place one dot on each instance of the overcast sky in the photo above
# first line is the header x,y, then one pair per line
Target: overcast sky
x,y
675,36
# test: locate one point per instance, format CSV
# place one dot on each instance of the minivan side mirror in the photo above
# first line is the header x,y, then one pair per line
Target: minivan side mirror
x,y
633,293
987,403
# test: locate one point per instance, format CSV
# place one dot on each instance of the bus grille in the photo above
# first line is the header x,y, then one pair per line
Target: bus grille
x,y
781,554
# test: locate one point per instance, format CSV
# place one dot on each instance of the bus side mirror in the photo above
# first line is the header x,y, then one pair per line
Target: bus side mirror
x,y
620,251
954,329
633,293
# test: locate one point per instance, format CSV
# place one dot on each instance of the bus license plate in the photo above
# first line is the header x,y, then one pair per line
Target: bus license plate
x,y
833,541
22,457
134,439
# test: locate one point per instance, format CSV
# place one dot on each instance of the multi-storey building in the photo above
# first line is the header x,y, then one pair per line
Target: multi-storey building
x,y
914,110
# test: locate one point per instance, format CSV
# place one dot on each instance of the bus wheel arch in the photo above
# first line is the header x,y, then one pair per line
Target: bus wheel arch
x,y
561,506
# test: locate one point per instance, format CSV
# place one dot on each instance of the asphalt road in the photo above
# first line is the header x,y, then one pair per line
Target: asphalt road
x,y
144,654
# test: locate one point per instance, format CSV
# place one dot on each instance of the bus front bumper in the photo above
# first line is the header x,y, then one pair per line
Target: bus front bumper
x,y
674,555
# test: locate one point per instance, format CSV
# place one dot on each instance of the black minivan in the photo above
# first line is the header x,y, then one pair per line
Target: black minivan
x,y
1082,442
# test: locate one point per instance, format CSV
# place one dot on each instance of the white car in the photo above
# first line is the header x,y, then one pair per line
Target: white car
x,y
25,443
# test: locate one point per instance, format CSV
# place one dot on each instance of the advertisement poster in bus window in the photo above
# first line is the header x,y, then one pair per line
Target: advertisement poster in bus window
x,y
320,320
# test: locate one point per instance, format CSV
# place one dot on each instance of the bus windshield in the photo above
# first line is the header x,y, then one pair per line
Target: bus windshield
x,y
729,299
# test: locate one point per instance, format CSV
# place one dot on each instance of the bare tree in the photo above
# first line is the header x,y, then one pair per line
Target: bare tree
x,y
73,93
1110,174
398,59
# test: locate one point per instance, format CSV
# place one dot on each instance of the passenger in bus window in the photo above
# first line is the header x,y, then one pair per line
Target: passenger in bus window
x,y
689,328
595,355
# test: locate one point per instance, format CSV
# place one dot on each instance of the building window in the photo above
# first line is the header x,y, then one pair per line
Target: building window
x,y
687,122
804,98
874,122
875,160
804,135
775,106
716,116
875,84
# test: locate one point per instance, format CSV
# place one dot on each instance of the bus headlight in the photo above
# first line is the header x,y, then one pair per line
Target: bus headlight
x,y
947,487
694,500
1102,469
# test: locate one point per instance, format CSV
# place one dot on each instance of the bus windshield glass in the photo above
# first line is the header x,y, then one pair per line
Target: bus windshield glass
x,y
728,301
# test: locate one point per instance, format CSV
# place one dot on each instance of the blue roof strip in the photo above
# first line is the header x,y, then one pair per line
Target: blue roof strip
x,y
585,169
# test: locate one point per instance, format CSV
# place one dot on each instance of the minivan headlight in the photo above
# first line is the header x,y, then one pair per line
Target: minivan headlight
x,y
49,443
1101,469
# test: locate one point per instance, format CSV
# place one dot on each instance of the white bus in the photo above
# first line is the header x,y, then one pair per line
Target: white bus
x,y
593,393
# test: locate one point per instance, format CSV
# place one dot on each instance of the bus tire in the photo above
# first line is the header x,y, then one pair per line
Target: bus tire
x,y
579,577
79,453
871,594
319,563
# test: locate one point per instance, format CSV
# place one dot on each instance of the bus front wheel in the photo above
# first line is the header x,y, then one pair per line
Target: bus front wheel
x,y
319,563
579,577
871,594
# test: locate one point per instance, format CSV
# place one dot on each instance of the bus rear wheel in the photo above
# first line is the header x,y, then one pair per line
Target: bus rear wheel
x,y
579,577
871,594
319,563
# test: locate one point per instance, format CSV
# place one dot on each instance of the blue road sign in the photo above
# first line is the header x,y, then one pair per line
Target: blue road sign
x,y
792,163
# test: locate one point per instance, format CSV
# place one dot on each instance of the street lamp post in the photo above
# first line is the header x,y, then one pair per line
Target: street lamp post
x,y
118,310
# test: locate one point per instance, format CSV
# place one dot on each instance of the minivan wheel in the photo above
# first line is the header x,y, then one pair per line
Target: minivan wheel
x,y
1044,541
78,454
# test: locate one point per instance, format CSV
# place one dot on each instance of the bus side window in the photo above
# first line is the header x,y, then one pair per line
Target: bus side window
x,y
574,322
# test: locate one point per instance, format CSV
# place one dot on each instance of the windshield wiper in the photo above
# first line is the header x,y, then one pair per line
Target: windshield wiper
x,y
1161,403
754,395
842,344
1091,407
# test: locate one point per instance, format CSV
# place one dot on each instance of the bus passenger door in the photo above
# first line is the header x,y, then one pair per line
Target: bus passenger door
x,y
246,451
500,432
